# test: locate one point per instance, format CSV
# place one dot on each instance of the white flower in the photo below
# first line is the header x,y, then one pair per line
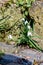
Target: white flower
x,y
10,37
28,27
29,33
23,19
26,22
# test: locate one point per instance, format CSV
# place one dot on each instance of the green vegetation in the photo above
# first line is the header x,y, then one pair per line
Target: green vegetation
x,y
19,31
1,53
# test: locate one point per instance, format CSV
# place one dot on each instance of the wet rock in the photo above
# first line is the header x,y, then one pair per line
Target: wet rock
x,y
36,12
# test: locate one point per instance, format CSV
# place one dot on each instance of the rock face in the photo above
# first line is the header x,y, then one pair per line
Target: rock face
x,y
36,12
10,22
24,57
10,59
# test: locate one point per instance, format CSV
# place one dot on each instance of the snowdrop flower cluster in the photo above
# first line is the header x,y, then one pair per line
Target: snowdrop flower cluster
x,y
29,33
28,27
24,21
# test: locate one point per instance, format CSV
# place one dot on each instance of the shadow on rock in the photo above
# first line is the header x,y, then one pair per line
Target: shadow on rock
x,y
8,59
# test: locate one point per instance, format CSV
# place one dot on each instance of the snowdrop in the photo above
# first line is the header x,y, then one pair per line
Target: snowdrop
x,y
23,19
28,27
26,22
29,33
10,37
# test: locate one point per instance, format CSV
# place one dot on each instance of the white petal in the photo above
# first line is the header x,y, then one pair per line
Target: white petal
x,y
10,37
29,34
28,27
23,19
26,22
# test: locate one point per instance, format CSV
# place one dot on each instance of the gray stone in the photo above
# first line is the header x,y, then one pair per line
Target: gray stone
x,y
24,54
13,64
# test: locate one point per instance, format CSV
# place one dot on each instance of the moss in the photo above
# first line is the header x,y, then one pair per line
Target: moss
x,y
10,22
1,53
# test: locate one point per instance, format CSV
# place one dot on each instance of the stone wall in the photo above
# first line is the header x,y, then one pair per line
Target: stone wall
x,y
36,12
10,25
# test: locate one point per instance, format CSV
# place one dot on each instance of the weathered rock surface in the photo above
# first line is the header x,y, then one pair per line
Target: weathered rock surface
x,y
22,58
29,55
10,25
9,59
36,12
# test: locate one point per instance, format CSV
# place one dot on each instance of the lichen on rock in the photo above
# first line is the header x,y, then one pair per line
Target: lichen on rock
x,y
10,22
36,12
